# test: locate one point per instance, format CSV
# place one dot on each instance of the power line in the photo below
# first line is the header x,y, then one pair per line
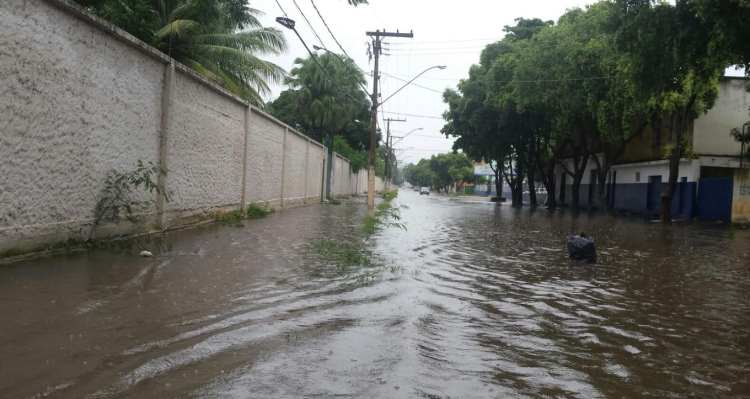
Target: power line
x,y
414,115
281,8
308,22
329,29
423,49
529,80
417,53
431,137
413,84
449,41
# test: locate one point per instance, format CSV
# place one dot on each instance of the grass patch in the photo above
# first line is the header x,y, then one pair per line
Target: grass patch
x,y
351,257
389,196
370,225
232,218
385,215
343,254
255,211
235,217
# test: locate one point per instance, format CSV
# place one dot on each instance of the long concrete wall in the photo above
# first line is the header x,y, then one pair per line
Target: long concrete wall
x,y
80,98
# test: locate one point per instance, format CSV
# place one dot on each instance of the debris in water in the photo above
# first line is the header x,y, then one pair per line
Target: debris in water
x,y
146,254
581,247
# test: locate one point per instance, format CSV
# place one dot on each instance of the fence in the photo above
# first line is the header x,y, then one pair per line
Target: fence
x,y
80,97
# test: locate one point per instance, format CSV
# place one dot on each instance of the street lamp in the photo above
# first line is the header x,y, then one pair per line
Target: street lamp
x,y
289,24
441,67
286,22
407,134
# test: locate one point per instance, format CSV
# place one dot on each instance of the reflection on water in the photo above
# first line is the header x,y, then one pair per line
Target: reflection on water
x,y
472,300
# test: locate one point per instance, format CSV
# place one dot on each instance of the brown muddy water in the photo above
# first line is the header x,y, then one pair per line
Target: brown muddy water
x,y
471,301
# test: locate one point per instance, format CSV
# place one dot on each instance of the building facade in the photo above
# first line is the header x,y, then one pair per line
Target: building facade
x,y
713,183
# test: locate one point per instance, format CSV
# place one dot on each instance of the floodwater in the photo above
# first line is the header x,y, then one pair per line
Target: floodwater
x,y
470,301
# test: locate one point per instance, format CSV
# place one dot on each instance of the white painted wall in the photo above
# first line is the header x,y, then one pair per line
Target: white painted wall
x,y
79,98
711,135
626,174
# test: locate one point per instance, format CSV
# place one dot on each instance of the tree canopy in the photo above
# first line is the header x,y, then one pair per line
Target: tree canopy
x,y
326,96
581,88
440,171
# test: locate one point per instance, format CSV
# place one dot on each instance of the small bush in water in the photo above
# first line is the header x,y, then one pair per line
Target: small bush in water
x,y
255,211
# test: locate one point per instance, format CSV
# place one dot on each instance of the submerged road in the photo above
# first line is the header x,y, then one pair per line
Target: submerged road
x,y
470,301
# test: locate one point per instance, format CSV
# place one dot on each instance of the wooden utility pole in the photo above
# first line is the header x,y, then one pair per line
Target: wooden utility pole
x,y
377,49
388,149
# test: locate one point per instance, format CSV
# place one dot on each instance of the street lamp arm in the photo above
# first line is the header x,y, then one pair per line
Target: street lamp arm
x,y
407,134
410,82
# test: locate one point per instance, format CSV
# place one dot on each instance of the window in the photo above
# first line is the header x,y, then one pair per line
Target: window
x,y
637,177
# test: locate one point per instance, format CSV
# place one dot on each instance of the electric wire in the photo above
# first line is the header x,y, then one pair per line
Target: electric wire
x,y
281,8
308,23
412,84
413,115
329,28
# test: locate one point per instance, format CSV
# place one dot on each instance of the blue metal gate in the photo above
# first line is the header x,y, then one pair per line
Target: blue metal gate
x,y
715,198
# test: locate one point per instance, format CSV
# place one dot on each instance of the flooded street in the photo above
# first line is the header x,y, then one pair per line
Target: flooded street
x,y
470,301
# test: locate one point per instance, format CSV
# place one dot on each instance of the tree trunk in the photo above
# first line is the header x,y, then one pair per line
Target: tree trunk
x,y
550,187
575,189
600,195
516,187
532,191
674,170
678,132
548,179
499,184
579,168
531,167
602,202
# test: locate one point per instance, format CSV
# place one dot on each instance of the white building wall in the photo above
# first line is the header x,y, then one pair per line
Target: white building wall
x,y
711,134
640,172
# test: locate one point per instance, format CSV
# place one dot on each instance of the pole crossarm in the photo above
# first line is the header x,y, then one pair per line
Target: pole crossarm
x,y
384,33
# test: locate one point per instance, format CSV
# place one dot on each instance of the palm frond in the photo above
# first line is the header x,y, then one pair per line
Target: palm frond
x,y
261,40
178,28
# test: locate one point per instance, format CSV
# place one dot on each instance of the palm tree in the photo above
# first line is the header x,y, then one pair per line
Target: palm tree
x,y
220,39
328,93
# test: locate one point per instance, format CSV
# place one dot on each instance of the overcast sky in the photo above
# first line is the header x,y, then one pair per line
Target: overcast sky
x,y
450,33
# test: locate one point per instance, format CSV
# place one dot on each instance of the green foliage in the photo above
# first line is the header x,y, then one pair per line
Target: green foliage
x,y
220,39
325,97
232,218
592,81
255,211
235,217
440,171
385,215
119,198
419,174
357,158
389,196
343,254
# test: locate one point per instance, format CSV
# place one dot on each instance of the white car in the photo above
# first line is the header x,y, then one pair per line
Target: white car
x,y
424,191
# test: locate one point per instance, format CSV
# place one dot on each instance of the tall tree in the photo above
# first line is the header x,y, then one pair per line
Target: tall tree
x,y
325,99
325,96
675,70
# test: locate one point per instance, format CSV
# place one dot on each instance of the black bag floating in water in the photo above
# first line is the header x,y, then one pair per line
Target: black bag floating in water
x,y
581,247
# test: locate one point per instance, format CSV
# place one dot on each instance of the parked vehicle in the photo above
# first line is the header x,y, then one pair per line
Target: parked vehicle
x,y
424,191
